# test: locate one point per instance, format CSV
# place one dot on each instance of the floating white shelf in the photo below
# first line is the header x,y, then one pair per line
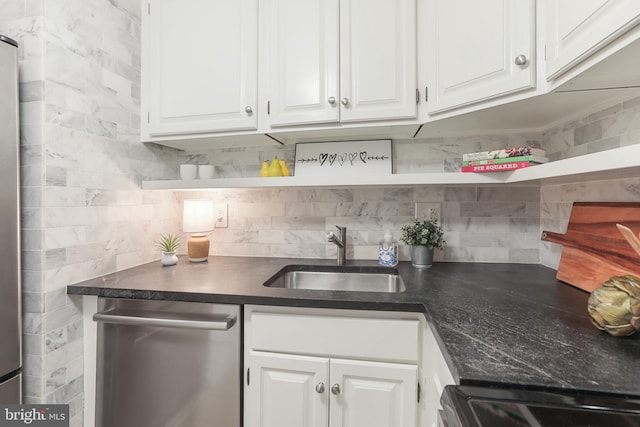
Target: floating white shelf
x,y
621,162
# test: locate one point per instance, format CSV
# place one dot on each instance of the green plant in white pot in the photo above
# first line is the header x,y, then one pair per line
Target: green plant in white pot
x,y
423,236
168,244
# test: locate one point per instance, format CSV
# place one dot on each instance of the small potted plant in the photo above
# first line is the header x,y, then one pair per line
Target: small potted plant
x,y
168,244
423,236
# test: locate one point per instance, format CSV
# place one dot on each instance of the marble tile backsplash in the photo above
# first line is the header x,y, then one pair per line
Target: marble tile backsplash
x,y
483,224
83,213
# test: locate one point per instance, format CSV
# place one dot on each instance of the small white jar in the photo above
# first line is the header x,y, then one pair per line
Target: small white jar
x,y
188,171
205,171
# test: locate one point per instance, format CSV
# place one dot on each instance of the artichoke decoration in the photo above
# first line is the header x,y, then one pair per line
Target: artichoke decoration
x,y
615,306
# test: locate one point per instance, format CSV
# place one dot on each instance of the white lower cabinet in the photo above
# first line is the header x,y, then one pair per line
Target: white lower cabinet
x,y
302,391
372,394
340,368
436,375
286,390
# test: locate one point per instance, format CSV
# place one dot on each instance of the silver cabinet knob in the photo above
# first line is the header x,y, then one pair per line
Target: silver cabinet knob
x,y
345,101
332,100
521,60
248,109
335,389
320,388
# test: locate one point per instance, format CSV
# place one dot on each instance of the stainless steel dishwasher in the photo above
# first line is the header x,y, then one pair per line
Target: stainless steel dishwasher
x,y
169,364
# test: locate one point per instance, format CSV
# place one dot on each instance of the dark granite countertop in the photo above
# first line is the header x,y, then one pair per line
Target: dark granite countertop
x,y
497,324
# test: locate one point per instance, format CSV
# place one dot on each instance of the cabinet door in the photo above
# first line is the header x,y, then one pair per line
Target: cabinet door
x,y
377,59
301,59
372,394
474,49
436,375
200,66
578,28
284,391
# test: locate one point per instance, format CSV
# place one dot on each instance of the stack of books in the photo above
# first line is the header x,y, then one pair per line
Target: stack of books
x,y
507,159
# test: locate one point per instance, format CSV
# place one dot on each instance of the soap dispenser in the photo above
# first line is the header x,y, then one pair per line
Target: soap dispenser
x,y
388,251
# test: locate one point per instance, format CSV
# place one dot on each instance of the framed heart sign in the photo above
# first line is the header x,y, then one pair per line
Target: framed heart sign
x,y
344,158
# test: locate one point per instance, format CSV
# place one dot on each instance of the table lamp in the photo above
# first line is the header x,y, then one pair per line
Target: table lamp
x,y
198,219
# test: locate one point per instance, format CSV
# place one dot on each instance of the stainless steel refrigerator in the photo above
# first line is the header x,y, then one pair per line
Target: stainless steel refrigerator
x,y
10,299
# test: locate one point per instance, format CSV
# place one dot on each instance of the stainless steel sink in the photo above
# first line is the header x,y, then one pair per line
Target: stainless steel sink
x,y
334,278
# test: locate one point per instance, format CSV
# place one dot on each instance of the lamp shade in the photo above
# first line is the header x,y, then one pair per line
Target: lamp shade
x,y
198,216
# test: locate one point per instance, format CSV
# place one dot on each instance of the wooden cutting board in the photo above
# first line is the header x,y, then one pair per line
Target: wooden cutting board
x,y
593,249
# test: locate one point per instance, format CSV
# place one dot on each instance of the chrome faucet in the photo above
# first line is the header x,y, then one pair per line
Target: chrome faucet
x,y
341,242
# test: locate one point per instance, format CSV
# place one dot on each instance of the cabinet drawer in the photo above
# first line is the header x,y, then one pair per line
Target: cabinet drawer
x,y
394,340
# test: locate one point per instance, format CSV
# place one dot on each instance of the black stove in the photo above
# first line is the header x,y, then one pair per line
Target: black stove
x,y
467,406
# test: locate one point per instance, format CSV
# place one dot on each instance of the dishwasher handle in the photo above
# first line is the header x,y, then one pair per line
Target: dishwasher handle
x,y
111,316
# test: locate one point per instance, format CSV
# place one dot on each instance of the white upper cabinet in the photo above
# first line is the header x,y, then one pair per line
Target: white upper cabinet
x,y
576,29
478,50
377,59
339,60
301,58
200,64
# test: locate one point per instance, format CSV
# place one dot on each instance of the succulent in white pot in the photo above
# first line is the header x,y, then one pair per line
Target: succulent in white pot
x,y
423,236
168,244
